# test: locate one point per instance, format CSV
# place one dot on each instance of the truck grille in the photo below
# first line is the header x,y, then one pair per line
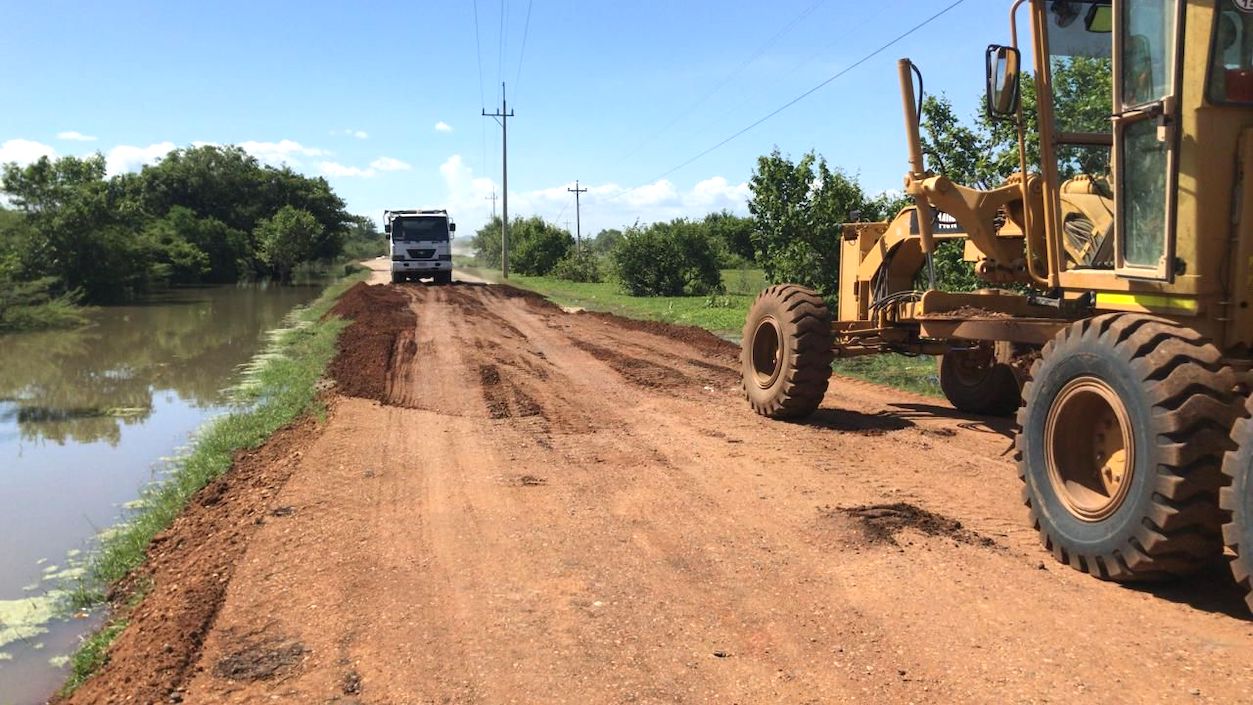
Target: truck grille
x,y
421,254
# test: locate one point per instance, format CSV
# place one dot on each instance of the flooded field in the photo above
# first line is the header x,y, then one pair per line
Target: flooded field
x,y
86,418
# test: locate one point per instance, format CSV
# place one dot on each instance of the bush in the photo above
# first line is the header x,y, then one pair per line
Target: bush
x,y
668,259
535,247
579,265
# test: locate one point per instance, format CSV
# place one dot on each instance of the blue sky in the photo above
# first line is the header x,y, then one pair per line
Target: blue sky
x,y
615,94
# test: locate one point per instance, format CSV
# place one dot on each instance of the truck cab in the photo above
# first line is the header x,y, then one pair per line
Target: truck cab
x,y
421,244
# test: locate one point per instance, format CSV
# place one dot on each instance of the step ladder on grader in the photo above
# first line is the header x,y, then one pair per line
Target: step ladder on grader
x,y
1116,322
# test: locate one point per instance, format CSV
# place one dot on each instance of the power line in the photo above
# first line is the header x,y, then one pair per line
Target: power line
x,y
734,72
500,49
526,29
478,53
809,92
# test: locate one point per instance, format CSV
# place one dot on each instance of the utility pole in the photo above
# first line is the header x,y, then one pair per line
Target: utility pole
x,y
492,198
578,225
503,116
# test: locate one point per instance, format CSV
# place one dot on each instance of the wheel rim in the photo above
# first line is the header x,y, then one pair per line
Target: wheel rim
x,y
767,352
1089,449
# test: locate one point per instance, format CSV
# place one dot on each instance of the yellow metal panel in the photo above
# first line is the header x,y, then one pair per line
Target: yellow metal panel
x,y
1146,302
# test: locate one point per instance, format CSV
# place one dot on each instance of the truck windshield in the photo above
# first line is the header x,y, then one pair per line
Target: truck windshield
x,y
420,229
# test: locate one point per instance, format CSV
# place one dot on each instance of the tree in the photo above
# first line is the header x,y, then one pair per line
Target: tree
x,y
799,207
668,259
535,246
734,232
486,244
604,241
288,239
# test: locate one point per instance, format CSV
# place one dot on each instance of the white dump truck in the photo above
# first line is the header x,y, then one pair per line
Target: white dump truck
x,y
421,244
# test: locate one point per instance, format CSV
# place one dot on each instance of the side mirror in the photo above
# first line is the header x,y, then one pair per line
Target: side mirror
x,y
452,227
1100,19
1002,74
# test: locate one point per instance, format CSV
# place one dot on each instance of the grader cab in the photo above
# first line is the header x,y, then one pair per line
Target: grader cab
x,y
1118,261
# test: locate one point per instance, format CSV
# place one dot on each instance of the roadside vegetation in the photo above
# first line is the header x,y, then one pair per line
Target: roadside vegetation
x,y
277,389
70,234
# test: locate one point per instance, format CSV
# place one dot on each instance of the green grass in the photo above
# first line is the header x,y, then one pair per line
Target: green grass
x,y
91,655
914,374
278,389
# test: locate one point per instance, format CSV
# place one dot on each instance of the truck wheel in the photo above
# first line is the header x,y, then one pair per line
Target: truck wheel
x,y
397,278
1237,501
1125,421
974,382
786,353
443,277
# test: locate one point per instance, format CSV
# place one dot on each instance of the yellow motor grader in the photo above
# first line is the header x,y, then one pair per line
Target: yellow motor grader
x,y
1116,322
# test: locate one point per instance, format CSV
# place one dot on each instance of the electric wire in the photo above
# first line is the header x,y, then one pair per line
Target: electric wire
x,y
727,79
500,49
478,55
526,30
882,48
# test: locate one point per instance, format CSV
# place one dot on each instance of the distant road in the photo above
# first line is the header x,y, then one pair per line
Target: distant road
x,y
382,273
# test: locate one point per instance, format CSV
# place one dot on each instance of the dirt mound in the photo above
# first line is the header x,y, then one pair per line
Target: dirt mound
x,y
698,338
188,568
880,523
380,316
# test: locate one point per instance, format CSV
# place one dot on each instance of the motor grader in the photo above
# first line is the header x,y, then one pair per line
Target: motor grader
x,y
1118,263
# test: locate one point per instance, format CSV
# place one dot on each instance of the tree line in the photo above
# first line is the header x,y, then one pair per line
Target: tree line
x,y
201,215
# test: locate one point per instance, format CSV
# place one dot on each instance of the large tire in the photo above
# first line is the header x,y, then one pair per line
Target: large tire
x,y
975,382
1120,439
397,278
786,352
443,277
1237,501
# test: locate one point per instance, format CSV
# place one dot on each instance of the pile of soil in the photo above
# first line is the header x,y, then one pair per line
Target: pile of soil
x,y
697,338
380,315
880,523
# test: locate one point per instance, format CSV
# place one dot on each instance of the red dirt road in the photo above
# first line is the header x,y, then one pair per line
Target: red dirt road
x,y
541,507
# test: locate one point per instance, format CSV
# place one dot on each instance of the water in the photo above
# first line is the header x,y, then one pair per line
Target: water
x,y
86,417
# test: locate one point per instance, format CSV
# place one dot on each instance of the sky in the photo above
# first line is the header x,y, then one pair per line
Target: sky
x,y
385,99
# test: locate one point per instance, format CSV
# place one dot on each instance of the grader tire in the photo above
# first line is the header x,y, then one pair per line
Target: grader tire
x,y
974,382
1237,502
786,352
1120,441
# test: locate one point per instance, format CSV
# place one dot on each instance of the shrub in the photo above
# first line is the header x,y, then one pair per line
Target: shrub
x,y
668,259
579,265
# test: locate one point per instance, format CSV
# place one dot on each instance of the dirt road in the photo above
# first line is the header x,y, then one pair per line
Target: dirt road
x,y
541,507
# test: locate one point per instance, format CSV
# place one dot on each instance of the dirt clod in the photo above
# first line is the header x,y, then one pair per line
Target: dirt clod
x,y
880,523
263,660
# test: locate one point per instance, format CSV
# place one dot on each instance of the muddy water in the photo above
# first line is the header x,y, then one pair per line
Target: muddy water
x,y
86,417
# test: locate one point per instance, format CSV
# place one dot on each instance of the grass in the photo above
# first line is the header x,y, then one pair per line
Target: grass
x,y
723,315
277,390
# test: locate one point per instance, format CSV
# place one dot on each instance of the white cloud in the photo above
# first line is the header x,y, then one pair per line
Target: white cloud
x,y
607,205
389,164
24,151
75,136
125,157
337,169
359,134
442,126
281,152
